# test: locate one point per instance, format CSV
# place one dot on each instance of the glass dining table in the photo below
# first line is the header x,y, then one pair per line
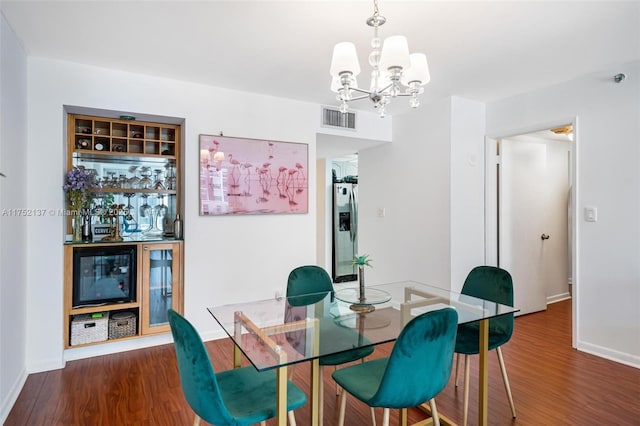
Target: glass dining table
x,y
280,332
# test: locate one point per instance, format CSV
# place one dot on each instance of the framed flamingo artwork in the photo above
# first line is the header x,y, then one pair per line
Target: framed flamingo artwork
x,y
240,176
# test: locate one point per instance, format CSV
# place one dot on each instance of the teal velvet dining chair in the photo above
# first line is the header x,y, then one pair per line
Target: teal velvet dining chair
x,y
241,396
417,369
494,284
313,282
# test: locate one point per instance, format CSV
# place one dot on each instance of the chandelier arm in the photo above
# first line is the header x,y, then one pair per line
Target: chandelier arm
x,y
385,88
357,89
357,98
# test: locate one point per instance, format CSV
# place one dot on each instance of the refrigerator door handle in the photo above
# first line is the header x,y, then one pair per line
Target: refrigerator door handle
x,y
353,209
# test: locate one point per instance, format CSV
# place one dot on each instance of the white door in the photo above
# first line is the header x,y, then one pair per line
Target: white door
x,y
522,206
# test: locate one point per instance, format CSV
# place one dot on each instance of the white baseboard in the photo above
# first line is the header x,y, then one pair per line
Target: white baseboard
x,y
213,335
116,346
12,396
610,354
558,298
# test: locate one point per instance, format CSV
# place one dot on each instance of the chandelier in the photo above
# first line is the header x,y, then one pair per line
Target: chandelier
x,y
395,71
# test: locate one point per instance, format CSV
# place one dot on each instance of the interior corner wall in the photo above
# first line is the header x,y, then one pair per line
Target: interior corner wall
x,y
607,280
404,202
13,219
467,188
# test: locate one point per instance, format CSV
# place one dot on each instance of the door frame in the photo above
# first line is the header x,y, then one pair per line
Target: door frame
x,y
491,206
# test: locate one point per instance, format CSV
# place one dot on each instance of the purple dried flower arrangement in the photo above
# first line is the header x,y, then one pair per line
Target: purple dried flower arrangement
x,y
78,186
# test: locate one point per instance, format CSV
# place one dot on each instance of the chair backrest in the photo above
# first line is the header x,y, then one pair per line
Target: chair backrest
x,y
308,279
197,377
420,363
494,284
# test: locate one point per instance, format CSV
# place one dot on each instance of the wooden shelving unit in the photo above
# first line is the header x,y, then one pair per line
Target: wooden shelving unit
x,y
117,146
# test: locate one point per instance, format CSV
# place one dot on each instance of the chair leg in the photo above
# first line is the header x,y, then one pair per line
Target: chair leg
x,y
403,417
373,416
196,420
434,412
456,373
465,390
292,418
385,417
343,405
505,379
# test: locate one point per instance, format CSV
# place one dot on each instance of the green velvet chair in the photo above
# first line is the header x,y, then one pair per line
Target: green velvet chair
x,y
495,284
417,370
241,396
314,281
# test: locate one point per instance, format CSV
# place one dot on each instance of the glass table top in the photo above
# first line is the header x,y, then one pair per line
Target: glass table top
x,y
277,332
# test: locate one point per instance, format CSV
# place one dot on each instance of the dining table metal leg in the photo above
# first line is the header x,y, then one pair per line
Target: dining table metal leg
x,y
315,392
282,396
483,385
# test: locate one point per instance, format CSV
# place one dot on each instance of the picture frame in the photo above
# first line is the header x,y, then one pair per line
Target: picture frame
x,y
242,176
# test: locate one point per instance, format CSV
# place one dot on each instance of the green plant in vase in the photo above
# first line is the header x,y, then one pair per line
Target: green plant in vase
x,y
362,261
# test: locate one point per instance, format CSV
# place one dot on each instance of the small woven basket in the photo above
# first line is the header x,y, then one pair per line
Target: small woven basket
x,y
122,324
86,328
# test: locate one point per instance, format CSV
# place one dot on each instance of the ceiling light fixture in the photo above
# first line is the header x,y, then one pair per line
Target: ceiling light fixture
x,y
395,71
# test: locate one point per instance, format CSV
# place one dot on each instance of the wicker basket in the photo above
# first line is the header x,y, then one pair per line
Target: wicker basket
x,y
89,328
122,324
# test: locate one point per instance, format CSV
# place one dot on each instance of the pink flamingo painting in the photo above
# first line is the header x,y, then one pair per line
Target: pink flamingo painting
x,y
250,173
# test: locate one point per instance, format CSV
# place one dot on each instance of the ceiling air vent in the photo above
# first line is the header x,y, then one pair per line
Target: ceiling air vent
x,y
332,117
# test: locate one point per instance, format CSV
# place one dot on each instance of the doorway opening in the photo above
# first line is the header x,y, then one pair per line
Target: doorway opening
x,y
531,211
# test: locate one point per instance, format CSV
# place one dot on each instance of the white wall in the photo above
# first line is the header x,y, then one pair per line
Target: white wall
x,y
13,229
226,257
410,180
608,156
467,188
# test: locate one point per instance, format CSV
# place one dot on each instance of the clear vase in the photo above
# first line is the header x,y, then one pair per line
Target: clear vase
x,y
77,228
361,284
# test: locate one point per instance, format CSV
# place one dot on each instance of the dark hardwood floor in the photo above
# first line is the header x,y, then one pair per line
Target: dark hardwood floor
x,y
552,384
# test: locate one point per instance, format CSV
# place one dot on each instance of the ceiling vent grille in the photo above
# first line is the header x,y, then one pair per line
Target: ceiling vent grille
x,y
332,117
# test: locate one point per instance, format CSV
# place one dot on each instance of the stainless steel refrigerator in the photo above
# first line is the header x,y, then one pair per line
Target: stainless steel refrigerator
x,y
345,231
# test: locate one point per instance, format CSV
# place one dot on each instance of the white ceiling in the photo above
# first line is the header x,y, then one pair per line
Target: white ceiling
x,y
482,50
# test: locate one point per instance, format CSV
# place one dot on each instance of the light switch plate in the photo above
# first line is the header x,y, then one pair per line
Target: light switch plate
x,y
591,214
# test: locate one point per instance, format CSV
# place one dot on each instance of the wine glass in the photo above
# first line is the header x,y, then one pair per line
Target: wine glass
x,y
158,184
134,181
129,219
145,182
146,213
161,211
171,177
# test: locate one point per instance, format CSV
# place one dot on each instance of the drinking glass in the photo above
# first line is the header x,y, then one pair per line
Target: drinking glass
x,y
158,184
161,211
145,182
146,214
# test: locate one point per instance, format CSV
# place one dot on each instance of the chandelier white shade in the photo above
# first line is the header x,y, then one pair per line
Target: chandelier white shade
x,y
395,53
395,72
345,59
